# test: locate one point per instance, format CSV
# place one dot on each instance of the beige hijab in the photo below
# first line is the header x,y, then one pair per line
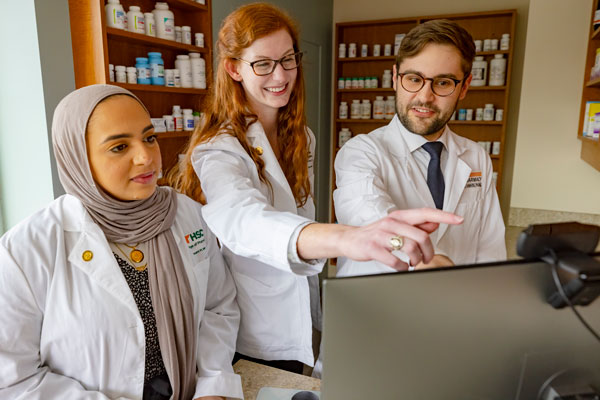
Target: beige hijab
x,y
146,220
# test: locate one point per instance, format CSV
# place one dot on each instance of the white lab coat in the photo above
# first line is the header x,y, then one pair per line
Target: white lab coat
x,y
376,174
255,228
70,329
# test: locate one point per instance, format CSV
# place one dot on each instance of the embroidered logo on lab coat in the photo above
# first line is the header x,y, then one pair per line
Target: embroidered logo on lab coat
x,y
474,180
196,241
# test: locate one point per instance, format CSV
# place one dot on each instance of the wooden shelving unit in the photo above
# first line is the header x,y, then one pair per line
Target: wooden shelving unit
x,y
95,46
481,25
590,148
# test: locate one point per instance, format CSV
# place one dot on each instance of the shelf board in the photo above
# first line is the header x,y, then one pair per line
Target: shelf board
x,y
165,43
595,34
188,5
359,59
594,83
491,52
173,135
457,122
587,139
161,89
390,90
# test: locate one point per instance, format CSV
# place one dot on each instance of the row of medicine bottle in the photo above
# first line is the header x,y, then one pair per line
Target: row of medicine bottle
x,y
179,120
158,23
380,109
189,71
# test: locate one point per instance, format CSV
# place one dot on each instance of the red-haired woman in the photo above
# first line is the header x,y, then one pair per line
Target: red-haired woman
x,y
252,159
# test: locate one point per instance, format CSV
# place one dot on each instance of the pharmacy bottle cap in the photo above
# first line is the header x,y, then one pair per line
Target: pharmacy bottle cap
x,y
379,97
161,6
187,110
478,58
183,57
194,55
498,55
154,54
148,15
113,2
134,8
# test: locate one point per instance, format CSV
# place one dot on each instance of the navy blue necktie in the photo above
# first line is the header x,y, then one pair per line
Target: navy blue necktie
x,y
435,179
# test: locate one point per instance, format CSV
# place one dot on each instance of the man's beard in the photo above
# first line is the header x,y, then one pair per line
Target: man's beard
x,y
436,125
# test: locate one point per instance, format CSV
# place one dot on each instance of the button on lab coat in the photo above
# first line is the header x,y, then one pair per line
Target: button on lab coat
x,y
69,325
376,174
255,225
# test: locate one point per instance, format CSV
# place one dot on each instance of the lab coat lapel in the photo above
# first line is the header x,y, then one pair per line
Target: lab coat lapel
x,y
415,183
102,268
456,173
283,197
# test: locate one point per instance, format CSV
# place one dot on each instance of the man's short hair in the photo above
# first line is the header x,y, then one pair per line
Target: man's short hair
x,y
439,31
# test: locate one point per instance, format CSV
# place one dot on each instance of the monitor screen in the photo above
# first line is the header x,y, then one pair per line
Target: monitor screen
x,y
482,332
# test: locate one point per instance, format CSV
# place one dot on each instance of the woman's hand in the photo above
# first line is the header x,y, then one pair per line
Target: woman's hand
x,y
372,242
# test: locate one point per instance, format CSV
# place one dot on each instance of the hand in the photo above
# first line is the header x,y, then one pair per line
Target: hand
x,y
372,242
438,261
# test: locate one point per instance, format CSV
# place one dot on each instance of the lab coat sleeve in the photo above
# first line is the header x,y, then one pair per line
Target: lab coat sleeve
x,y
241,216
22,375
360,197
218,332
492,246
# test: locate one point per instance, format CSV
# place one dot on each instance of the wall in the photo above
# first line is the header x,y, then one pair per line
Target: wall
x,y
40,75
355,10
314,18
25,172
551,176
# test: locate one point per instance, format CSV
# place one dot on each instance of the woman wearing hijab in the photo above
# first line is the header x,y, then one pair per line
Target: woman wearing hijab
x,y
116,289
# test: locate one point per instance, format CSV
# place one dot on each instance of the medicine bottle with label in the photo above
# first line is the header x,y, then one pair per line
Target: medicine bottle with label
x,y
157,68
342,50
149,24
387,49
390,107
169,122
121,74
479,71
111,72
378,108
131,75
135,20
178,34
352,50
199,39
186,35
178,117
343,112
183,64
143,71
488,112
188,119
198,71
497,70
355,109
344,136
386,80
364,50
365,109
341,83
505,41
376,50
165,21
115,14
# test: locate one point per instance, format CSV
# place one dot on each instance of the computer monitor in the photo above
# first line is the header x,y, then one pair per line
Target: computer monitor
x,y
482,332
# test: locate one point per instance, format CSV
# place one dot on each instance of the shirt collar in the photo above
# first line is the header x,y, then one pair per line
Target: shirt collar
x,y
415,141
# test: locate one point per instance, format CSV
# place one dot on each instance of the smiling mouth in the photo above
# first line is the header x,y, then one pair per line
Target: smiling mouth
x,y
277,89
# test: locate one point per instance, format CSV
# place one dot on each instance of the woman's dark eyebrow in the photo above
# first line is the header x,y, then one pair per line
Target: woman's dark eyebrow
x,y
126,135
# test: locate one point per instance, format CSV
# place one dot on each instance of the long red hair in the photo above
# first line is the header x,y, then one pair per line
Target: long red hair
x,y
227,109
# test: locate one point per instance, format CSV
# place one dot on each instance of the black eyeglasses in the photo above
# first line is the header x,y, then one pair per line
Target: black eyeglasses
x,y
267,66
440,86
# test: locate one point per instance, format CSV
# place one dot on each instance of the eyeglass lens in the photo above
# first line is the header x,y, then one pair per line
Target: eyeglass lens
x,y
265,67
440,86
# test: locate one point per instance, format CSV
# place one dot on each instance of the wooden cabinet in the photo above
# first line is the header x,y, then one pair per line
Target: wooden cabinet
x,y
95,46
481,25
590,148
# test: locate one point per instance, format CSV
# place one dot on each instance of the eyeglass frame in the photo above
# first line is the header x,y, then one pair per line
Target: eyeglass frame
x,y
456,82
251,63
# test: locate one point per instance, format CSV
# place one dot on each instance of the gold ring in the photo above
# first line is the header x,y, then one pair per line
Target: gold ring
x,y
396,242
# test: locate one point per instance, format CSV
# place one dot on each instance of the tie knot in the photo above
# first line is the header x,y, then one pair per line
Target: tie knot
x,y
434,149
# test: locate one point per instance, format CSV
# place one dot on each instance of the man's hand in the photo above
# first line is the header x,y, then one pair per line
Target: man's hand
x,y
438,261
